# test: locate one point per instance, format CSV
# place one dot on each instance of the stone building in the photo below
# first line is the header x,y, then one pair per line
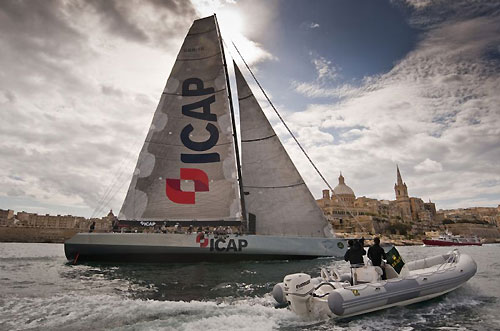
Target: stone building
x,y
6,217
412,209
402,199
342,202
103,224
343,194
346,212
34,220
48,221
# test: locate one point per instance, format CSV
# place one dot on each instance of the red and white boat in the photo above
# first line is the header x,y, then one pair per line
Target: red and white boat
x,y
448,239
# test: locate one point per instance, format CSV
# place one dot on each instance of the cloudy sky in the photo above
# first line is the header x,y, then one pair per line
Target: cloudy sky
x,y
365,85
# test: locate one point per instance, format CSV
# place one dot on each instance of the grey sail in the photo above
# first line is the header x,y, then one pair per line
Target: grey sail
x,y
186,169
274,190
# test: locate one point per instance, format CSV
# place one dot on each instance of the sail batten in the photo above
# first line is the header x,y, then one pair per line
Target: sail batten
x,y
186,169
180,94
275,193
275,187
257,139
202,58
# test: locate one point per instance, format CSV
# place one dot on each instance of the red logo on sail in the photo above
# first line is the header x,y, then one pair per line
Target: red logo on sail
x,y
200,239
173,189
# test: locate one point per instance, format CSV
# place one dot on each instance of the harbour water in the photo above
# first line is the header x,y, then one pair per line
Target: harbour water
x,y
40,290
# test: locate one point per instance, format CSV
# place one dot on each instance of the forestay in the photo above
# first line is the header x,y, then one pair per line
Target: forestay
x,y
274,190
186,169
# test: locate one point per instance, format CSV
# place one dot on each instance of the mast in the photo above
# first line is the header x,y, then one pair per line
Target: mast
x,y
233,122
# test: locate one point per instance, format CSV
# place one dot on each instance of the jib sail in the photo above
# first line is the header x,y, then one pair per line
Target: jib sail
x,y
275,193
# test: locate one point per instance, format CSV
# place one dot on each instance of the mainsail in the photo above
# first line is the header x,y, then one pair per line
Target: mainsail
x,y
274,190
186,168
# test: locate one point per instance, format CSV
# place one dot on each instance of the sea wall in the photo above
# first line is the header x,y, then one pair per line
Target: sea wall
x,y
35,235
487,232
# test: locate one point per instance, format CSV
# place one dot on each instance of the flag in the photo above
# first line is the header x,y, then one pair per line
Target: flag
x,y
395,260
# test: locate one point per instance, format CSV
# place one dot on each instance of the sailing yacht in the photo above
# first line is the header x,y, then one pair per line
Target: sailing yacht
x,y
190,171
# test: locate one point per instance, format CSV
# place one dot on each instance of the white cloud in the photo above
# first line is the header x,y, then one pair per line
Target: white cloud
x,y
78,103
232,21
419,4
324,68
326,74
319,90
428,165
435,113
65,102
309,25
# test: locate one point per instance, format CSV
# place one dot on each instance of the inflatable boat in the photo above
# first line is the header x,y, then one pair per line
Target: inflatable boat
x,y
335,295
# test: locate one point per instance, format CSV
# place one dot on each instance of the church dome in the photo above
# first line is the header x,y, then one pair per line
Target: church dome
x,y
342,188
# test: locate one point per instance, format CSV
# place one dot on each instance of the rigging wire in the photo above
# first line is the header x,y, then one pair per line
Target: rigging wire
x,y
114,186
295,138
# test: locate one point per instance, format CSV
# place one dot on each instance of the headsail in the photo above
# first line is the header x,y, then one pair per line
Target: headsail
x,y
274,190
186,168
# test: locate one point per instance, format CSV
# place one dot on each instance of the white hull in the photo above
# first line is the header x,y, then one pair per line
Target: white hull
x,y
424,280
189,247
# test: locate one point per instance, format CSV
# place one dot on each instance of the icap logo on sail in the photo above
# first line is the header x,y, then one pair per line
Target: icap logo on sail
x,y
194,87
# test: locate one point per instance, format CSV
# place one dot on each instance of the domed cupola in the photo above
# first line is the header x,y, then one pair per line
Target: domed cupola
x,y
344,192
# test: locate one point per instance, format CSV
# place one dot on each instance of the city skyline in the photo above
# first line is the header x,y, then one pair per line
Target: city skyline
x,y
364,85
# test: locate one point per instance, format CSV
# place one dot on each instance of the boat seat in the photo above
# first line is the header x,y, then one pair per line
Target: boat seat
x,y
367,274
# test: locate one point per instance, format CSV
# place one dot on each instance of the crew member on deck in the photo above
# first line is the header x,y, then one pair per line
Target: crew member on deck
x,y
116,225
355,254
92,227
376,254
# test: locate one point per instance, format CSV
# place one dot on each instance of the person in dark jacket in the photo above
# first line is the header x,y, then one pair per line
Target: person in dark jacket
x,y
355,253
92,227
376,254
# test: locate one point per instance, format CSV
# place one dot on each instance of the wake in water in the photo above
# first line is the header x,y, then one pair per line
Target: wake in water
x,y
114,312
41,291
70,312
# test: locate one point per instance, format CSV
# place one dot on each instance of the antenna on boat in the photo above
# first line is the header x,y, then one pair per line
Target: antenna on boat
x,y
233,123
295,138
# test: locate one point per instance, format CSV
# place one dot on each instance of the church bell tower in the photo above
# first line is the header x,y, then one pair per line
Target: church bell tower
x,y
400,187
402,198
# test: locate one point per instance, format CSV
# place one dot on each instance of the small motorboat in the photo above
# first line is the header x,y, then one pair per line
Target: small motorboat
x,y
448,239
335,295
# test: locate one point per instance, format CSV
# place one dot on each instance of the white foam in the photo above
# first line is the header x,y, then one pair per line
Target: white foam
x,y
115,312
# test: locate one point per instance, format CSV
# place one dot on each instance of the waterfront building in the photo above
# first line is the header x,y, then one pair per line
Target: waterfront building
x,y
343,194
33,220
6,217
348,213
405,215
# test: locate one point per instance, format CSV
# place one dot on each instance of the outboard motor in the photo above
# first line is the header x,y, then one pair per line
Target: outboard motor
x,y
298,289
279,293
